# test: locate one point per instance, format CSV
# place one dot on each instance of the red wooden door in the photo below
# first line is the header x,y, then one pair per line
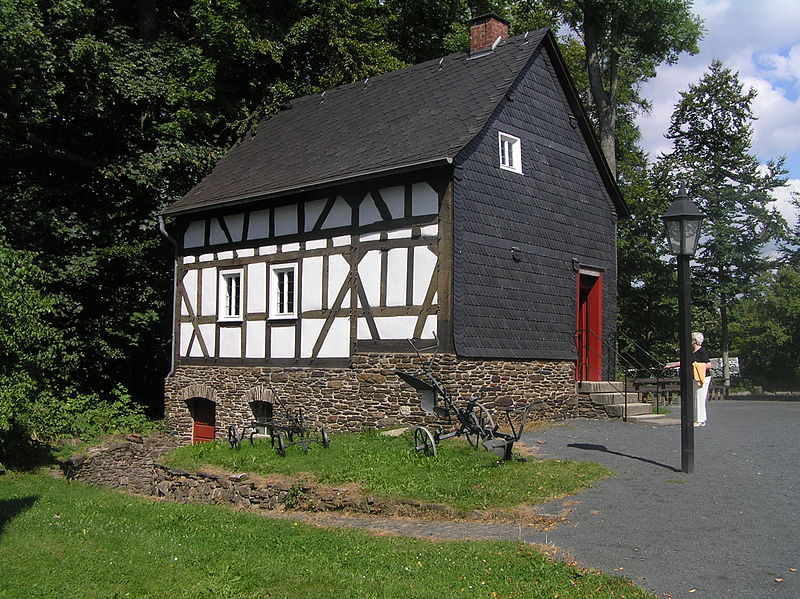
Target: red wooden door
x,y
204,413
589,335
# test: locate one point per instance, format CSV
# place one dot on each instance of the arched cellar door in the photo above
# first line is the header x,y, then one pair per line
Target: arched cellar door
x,y
204,415
589,335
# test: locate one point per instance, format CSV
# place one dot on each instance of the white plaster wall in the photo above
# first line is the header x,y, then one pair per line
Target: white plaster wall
x,y
256,339
259,225
207,331
429,230
309,335
190,284
185,337
316,244
424,200
286,220
369,271
424,265
257,287
208,278
216,236
312,210
311,289
195,235
394,198
368,212
340,216
230,342
337,341
429,328
282,342
399,234
362,329
341,240
338,269
235,224
397,265
396,327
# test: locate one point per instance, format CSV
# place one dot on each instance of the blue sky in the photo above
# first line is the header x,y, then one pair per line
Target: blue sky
x,y
760,39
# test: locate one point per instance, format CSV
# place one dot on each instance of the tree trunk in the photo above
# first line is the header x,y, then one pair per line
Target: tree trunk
x,y
605,101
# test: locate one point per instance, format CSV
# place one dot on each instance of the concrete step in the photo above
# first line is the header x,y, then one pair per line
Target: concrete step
x,y
604,399
636,408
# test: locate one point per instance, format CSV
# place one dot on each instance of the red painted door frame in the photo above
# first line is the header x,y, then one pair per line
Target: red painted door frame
x,y
589,327
204,415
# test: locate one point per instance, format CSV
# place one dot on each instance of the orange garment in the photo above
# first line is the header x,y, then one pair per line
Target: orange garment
x,y
699,371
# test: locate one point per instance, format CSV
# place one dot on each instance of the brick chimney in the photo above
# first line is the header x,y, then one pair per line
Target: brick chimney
x,y
484,31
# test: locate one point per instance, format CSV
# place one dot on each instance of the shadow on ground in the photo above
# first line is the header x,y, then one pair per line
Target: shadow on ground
x,y
603,448
11,508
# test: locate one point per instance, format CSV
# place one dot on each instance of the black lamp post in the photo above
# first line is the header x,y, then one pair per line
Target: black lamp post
x,y
682,222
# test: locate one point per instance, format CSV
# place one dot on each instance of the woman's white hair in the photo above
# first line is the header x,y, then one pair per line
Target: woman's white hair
x,y
698,338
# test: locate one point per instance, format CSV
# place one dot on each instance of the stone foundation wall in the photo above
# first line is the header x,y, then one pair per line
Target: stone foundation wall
x,y
368,394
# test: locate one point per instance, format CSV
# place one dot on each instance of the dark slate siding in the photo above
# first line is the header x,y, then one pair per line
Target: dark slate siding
x,y
558,213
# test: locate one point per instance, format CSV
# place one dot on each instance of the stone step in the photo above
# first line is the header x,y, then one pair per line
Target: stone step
x,y
618,410
600,386
604,399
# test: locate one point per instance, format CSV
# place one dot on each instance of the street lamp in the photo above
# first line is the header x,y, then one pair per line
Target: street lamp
x,y
682,223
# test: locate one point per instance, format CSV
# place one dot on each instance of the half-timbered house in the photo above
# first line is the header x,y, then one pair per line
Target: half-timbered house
x,y
464,198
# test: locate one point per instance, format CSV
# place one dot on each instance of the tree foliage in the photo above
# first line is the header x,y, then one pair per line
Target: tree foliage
x,y
711,134
765,329
110,110
624,42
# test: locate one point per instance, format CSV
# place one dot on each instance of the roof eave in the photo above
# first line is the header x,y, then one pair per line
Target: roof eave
x,y
585,125
277,193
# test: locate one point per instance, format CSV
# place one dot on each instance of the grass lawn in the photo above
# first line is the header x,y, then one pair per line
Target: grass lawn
x,y
65,540
460,477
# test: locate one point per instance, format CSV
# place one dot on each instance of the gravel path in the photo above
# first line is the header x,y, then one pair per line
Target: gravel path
x,y
729,530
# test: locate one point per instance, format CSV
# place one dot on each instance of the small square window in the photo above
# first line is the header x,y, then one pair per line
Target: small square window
x,y
283,291
510,153
230,294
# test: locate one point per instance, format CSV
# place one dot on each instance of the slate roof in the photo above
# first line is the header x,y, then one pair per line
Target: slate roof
x,y
407,119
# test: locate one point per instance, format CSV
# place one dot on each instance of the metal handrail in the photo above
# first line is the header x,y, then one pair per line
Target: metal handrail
x,y
631,365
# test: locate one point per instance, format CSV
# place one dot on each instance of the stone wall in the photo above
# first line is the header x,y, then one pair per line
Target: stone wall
x,y
368,394
132,464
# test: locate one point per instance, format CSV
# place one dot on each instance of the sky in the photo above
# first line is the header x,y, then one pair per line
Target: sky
x,y
759,39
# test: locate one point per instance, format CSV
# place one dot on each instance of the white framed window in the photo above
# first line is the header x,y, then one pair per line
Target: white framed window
x,y
283,291
230,294
510,152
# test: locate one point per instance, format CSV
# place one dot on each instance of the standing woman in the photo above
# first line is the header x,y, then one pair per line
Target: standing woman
x,y
701,369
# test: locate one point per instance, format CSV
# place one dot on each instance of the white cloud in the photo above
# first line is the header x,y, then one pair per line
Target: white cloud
x,y
759,40
783,201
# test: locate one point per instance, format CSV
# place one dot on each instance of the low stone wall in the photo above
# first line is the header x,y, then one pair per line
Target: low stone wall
x,y
368,394
132,464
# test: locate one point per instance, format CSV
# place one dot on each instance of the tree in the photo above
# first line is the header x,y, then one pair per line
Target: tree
x,y
765,329
111,109
712,139
624,42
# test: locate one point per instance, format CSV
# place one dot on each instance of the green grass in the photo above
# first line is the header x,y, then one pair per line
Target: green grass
x,y
62,540
460,477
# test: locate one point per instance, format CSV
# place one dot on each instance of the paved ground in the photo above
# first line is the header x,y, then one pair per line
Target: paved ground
x,y
729,530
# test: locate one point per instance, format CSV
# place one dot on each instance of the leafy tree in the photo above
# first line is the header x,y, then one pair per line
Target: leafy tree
x,y
765,329
624,42
110,110
712,139
33,354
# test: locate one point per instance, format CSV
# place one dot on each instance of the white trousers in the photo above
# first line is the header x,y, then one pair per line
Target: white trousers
x,y
701,394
